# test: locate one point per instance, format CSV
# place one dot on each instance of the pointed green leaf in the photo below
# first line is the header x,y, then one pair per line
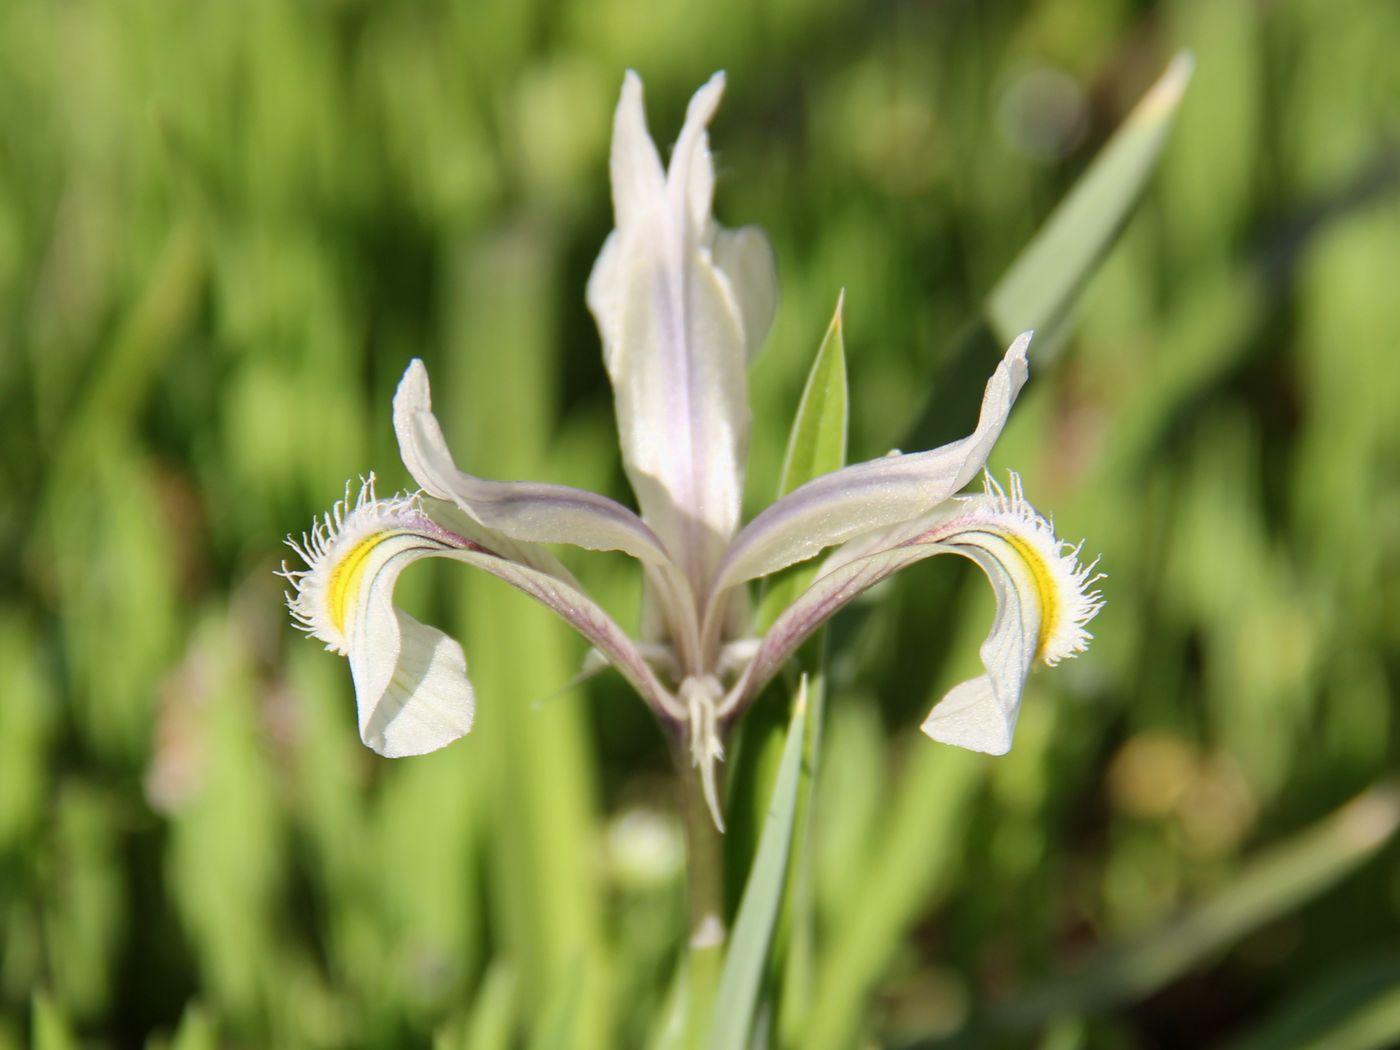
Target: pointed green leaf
x,y
763,895
816,446
1046,278
817,443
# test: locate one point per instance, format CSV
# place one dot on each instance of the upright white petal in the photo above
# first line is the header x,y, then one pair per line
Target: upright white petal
x,y
744,258
690,178
678,329
873,495
638,179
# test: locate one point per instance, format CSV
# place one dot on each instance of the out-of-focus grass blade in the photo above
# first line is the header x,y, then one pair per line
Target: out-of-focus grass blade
x,y
196,1031
1067,1033
668,1029
488,1022
541,762
27,717
1272,885
1042,286
763,895
159,316
225,833
494,1011
816,446
1038,291
1046,278
85,917
558,1021
1357,1009
50,1030
910,865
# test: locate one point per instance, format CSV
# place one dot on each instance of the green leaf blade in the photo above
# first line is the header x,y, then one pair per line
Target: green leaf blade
x,y
816,446
817,443
747,956
1041,286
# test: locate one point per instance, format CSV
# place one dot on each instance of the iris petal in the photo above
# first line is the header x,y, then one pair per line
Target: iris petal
x,y
980,714
1043,597
526,514
534,512
425,701
411,685
677,332
876,494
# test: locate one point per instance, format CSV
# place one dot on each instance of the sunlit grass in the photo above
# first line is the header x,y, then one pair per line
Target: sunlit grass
x,y
224,230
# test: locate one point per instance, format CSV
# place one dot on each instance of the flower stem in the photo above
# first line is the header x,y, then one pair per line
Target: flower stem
x,y
705,888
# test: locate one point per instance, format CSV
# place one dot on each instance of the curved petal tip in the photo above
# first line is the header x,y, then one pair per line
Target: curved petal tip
x,y
970,717
424,701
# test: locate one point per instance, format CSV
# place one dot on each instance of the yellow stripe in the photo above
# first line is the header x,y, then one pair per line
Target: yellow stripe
x,y
1044,586
345,578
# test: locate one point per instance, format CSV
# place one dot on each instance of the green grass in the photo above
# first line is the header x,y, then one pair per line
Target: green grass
x,y
224,229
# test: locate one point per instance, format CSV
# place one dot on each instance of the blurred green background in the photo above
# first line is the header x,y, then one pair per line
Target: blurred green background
x,y
224,230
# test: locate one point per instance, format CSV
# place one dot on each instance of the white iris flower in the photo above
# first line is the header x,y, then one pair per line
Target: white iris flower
x,y
683,305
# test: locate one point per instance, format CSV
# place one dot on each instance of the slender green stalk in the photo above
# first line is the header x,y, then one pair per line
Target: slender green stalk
x,y
705,887
796,936
749,954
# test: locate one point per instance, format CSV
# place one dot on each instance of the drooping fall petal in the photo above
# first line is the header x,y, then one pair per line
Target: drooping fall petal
x,y
411,685
1043,595
1044,603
